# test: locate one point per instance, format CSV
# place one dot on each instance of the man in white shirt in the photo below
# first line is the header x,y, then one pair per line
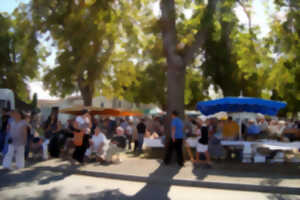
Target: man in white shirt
x,y
98,144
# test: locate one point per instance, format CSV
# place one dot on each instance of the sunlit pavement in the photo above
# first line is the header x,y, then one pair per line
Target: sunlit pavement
x,y
137,178
58,186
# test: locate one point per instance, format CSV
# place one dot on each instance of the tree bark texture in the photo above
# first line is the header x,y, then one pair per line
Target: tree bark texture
x,y
87,92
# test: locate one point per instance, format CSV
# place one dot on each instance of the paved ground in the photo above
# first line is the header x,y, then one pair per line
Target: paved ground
x,y
48,185
137,178
279,175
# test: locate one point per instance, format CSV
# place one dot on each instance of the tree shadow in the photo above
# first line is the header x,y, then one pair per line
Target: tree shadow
x,y
154,188
158,190
45,195
273,172
41,174
105,194
281,197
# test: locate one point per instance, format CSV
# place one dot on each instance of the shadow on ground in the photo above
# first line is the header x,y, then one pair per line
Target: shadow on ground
x,y
40,174
151,190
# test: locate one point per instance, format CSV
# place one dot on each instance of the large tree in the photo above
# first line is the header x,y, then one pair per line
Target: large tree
x,y
235,58
92,38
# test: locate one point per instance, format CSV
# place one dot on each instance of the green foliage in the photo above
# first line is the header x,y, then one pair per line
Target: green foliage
x,y
195,88
19,51
91,37
284,79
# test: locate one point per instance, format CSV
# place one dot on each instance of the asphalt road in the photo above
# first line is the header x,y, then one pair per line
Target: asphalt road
x,y
47,185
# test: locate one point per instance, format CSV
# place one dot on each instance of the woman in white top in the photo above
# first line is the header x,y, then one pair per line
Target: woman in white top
x,y
17,141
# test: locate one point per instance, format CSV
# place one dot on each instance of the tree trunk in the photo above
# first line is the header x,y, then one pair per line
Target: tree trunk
x,y
175,92
87,91
87,96
178,58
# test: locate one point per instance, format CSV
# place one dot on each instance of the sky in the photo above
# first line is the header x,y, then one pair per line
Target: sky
x,y
10,5
261,8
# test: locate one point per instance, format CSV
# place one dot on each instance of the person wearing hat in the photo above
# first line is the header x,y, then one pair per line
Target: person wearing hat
x,y
17,141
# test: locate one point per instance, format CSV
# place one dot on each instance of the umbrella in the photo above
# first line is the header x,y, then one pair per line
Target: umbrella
x,y
130,113
117,112
109,112
153,111
77,110
240,104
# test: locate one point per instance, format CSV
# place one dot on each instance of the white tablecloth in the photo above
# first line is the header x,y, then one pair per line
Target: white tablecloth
x,y
155,143
283,146
248,148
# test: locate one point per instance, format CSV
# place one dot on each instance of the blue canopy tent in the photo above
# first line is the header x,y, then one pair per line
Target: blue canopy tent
x,y
240,105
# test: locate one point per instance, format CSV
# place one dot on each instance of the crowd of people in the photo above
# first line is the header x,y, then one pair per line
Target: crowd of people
x,y
84,138
210,131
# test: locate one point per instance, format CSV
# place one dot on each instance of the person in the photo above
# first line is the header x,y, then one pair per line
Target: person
x,y
156,126
84,121
135,138
253,130
84,126
263,124
188,126
123,123
230,129
116,146
215,148
276,129
176,140
202,144
141,129
94,123
4,129
50,127
112,127
17,141
189,132
29,136
58,140
97,145
129,133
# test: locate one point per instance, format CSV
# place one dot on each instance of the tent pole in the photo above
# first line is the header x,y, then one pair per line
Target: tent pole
x,y
240,127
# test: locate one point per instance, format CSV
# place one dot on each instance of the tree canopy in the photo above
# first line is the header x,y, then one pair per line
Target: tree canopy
x,y
121,49
20,51
284,78
94,41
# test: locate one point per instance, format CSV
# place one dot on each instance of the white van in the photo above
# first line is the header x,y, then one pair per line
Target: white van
x,y
7,99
